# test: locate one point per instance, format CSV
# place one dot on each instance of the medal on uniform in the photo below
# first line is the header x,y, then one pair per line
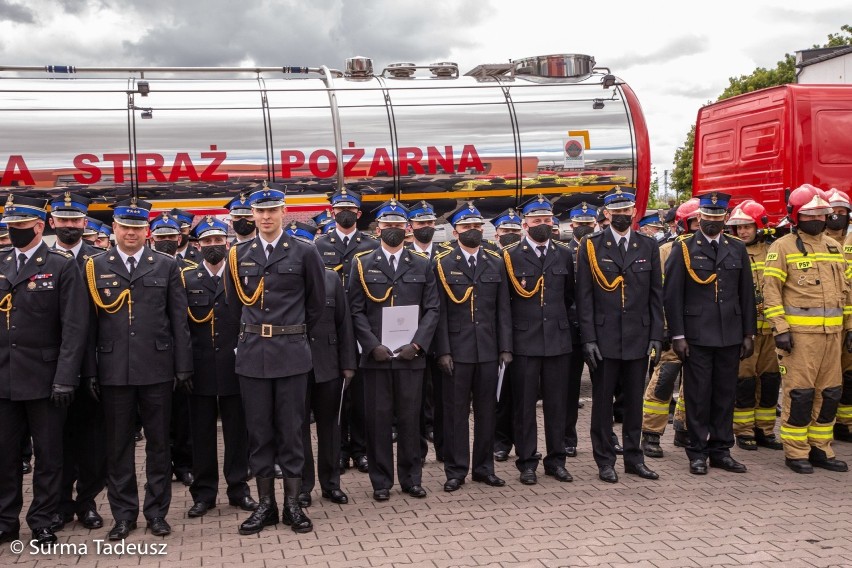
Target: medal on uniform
x,y
523,283
107,292
31,285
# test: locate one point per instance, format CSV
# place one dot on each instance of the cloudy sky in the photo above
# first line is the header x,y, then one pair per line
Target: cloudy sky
x,y
676,55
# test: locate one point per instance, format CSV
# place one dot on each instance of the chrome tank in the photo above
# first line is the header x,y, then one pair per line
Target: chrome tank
x,y
196,139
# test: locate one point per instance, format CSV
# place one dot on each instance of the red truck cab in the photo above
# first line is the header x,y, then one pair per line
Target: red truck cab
x,y
761,144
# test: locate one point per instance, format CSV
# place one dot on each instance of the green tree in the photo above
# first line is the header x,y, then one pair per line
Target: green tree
x,y
784,72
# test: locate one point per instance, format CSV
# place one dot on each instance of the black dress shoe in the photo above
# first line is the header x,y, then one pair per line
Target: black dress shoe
x,y
91,519
681,438
43,536
137,436
27,467
185,477
121,529
799,466
728,464
10,535
335,496
641,470
607,473
278,473
489,479
58,521
580,404
344,465
537,455
570,451
559,473
362,464
199,509
619,450
528,477
381,494
453,484
304,499
159,527
698,466
501,455
430,435
245,503
416,491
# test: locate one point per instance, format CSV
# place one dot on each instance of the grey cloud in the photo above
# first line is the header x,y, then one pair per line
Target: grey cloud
x,y
194,32
677,47
16,13
693,91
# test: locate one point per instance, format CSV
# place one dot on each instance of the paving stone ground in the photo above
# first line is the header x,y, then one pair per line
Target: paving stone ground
x,y
769,516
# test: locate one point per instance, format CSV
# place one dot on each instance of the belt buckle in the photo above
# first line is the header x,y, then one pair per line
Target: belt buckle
x,y
266,330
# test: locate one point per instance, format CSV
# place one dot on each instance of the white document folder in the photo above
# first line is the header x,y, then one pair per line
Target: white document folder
x,y
399,324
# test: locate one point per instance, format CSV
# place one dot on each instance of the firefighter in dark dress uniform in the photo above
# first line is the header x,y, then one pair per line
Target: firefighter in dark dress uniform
x,y
216,388
582,218
84,435
242,219
711,316
473,337
620,294
334,355
508,230
393,276
274,287
541,274
144,353
43,339
338,248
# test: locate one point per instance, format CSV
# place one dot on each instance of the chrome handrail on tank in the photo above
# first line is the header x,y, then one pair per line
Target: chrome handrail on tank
x,y
71,69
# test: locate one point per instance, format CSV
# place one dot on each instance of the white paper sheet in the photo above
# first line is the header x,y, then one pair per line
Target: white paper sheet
x,y
501,370
399,324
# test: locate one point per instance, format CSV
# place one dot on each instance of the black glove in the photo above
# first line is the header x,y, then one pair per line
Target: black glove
x,y
348,375
747,350
655,350
382,354
667,342
62,396
93,387
505,358
681,348
407,352
592,354
445,363
784,341
847,342
183,381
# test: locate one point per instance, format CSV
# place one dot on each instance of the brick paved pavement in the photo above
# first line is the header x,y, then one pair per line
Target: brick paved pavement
x,y
767,517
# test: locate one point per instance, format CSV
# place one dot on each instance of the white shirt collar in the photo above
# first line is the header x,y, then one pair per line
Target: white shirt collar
x,y
467,255
397,255
29,253
618,237
210,272
717,238
274,242
124,257
535,245
341,236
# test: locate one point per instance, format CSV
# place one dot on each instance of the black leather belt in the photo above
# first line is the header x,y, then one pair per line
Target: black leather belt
x,y
268,330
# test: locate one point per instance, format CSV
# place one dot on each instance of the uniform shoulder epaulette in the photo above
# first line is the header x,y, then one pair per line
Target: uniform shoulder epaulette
x,y
443,253
362,253
189,263
242,243
418,253
65,253
684,237
6,249
734,237
561,244
446,244
99,252
188,268
373,236
164,254
511,245
492,252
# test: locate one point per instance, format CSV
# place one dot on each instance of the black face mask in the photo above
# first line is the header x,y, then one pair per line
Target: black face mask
x,y
346,219
621,222
808,227
21,237
168,247
509,238
69,235
471,238
582,230
213,253
243,226
393,237
540,233
424,234
183,240
711,228
837,222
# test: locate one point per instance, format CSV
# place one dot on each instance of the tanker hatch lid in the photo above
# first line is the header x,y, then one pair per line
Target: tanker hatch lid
x,y
557,66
